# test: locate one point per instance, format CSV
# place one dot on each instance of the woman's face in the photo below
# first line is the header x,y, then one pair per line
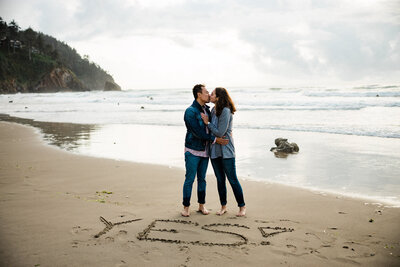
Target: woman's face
x,y
213,97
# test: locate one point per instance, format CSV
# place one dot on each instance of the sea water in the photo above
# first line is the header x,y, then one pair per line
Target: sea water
x,y
349,138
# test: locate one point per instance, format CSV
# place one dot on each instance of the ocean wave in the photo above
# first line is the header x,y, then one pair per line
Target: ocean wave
x,y
376,86
352,94
275,108
345,131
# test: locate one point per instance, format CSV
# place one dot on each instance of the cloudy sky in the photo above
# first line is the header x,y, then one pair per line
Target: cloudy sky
x,y
178,43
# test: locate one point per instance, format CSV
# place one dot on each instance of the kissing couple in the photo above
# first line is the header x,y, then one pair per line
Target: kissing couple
x,y
209,135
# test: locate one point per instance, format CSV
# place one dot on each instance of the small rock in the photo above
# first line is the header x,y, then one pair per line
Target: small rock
x,y
283,146
371,220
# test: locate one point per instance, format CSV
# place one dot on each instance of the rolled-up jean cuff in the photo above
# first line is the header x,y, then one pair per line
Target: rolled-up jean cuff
x,y
186,202
201,197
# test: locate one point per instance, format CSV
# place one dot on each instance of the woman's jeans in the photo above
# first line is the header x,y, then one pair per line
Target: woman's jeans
x,y
195,165
227,168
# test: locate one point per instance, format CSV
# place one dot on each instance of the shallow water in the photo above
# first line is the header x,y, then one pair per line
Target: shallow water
x,y
360,166
349,138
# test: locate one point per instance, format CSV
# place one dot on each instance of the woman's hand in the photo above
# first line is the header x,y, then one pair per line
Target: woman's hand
x,y
204,117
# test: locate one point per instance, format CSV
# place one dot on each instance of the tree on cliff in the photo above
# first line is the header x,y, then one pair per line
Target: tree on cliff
x,y
30,36
22,69
13,30
3,28
39,42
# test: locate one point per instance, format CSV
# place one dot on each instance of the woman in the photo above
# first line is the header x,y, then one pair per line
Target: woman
x,y
223,157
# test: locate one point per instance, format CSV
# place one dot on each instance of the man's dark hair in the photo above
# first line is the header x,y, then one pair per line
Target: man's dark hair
x,y
197,89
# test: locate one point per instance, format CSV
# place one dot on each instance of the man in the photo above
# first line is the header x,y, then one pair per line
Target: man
x,y
197,142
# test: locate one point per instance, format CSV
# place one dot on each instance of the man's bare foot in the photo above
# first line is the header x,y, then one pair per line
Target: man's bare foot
x,y
242,212
203,209
222,211
185,212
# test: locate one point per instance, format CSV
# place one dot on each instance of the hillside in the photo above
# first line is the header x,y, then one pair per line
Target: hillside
x,y
31,61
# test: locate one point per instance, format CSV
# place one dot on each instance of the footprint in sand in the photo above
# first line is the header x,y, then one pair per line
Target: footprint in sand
x,y
122,235
184,249
356,250
75,243
292,248
76,230
121,264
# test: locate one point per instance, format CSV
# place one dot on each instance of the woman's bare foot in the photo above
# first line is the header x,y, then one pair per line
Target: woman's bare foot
x,y
242,212
222,211
203,209
185,212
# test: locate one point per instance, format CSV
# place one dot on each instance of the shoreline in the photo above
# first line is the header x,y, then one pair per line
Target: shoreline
x,y
79,130
51,201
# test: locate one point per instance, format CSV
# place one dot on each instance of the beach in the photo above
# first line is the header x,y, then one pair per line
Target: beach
x,y
348,137
63,209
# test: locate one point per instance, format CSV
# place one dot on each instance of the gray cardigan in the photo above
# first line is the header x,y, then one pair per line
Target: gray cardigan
x,y
222,126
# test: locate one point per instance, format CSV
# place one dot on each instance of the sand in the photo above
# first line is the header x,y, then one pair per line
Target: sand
x,y
62,209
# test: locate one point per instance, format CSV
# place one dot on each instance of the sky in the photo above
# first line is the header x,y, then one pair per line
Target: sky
x,y
147,44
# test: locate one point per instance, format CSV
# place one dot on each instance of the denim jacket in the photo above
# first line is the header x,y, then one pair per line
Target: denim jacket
x,y
196,136
222,126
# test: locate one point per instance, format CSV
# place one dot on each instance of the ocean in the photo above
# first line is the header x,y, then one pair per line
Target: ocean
x,y
349,138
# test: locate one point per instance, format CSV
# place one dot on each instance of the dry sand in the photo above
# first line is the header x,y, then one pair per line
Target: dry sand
x,y
62,209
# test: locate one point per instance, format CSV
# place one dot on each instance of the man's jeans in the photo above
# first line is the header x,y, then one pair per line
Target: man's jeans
x,y
227,168
195,165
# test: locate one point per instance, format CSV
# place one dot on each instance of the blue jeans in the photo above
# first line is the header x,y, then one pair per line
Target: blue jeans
x,y
227,168
195,165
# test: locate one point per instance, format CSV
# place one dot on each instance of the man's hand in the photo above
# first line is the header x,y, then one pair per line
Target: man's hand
x,y
222,141
204,117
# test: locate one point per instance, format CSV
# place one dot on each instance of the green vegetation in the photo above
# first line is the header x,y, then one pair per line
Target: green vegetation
x,y
26,56
104,192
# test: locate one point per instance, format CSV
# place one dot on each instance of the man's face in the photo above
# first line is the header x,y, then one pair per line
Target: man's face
x,y
205,95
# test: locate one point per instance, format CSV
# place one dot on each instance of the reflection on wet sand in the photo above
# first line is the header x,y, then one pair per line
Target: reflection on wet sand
x,y
67,136
281,154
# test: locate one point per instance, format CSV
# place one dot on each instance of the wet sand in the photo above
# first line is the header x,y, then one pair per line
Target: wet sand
x,y
63,209
369,166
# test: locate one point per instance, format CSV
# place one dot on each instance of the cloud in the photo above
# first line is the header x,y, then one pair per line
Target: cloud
x,y
348,42
301,39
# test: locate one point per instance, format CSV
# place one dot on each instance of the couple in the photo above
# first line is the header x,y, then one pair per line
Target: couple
x,y
210,138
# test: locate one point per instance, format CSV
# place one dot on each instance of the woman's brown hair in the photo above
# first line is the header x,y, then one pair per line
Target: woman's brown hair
x,y
224,100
